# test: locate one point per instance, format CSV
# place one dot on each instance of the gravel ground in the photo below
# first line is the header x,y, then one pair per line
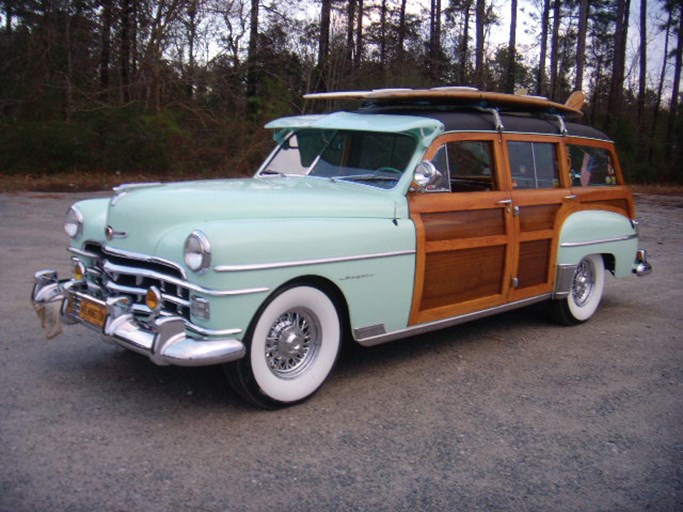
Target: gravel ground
x,y
507,413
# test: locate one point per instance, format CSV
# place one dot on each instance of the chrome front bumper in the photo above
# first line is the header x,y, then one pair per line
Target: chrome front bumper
x,y
163,339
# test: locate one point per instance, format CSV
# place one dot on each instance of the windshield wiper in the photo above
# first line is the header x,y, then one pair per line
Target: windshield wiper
x,y
271,172
365,177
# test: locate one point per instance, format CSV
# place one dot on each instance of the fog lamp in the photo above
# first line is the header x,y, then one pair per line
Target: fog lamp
x,y
79,271
153,299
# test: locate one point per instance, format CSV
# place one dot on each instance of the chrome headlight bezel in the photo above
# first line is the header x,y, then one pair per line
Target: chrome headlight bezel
x,y
197,252
73,223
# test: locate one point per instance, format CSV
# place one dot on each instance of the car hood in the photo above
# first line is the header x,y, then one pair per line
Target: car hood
x,y
140,217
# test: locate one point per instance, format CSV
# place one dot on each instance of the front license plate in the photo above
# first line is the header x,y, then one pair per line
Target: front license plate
x,y
92,313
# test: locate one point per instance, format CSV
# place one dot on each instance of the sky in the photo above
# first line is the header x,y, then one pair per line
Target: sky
x,y
656,38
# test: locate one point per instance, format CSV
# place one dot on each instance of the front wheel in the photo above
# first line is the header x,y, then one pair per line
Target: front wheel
x,y
584,297
291,348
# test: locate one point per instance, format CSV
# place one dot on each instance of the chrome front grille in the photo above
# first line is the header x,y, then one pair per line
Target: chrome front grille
x,y
116,274
134,280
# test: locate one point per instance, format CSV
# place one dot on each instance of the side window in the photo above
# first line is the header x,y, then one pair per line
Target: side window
x,y
440,161
591,167
467,166
533,165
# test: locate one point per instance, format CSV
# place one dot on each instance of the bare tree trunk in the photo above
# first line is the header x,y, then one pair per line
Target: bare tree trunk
x,y
660,87
581,45
642,81
324,44
9,13
68,78
191,40
555,49
252,57
382,35
465,43
105,51
512,49
540,79
350,18
616,90
479,49
401,32
359,36
125,49
435,40
675,88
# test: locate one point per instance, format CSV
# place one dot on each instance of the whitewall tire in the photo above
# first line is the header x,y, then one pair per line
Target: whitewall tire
x,y
292,347
585,294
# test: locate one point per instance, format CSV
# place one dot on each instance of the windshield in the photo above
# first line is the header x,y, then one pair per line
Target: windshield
x,y
373,158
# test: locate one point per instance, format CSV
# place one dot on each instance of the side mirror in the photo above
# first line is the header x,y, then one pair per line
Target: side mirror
x,y
426,174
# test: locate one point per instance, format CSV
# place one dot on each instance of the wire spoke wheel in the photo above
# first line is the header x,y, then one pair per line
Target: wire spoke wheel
x,y
292,346
585,294
292,343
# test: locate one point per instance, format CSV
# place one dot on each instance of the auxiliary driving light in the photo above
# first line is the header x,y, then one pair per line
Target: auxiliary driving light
x,y
79,271
153,299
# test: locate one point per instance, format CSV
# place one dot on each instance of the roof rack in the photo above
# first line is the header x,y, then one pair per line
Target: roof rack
x,y
457,96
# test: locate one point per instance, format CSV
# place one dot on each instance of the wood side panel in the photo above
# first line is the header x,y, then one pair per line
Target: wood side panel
x,y
534,259
455,245
538,217
618,204
464,224
457,276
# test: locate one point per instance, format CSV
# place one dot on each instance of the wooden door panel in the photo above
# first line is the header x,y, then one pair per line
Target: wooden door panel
x,y
534,261
464,224
455,277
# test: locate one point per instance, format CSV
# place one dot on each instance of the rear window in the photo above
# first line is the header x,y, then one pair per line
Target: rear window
x,y
591,167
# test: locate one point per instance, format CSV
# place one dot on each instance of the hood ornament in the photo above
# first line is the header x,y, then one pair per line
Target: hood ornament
x,y
110,233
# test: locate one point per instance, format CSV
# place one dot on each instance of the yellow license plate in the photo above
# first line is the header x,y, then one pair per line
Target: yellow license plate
x,y
92,313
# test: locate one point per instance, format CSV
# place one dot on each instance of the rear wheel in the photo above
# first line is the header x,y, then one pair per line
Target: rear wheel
x,y
585,294
291,348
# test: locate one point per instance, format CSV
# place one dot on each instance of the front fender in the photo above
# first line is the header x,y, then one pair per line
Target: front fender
x,y
371,261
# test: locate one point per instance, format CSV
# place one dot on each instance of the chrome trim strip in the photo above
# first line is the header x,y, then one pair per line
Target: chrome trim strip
x,y
110,285
564,277
601,241
547,134
81,252
121,269
301,263
449,322
145,258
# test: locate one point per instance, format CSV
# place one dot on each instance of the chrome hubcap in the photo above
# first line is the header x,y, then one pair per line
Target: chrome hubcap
x,y
292,343
584,281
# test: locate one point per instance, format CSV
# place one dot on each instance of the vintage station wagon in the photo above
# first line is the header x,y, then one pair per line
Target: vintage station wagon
x,y
420,209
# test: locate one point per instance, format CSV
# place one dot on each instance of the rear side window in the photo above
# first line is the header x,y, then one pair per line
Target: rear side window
x,y
591,167
533,165
467,166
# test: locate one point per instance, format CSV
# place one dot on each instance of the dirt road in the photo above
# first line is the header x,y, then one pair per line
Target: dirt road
x,y
508,413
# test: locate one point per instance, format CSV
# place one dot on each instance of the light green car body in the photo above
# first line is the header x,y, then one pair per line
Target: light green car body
x,y
269,231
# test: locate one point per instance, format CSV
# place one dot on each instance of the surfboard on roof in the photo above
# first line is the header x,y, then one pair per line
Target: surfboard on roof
x,y
457,96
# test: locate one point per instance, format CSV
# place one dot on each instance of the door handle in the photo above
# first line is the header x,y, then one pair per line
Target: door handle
x,y
504,201
570,197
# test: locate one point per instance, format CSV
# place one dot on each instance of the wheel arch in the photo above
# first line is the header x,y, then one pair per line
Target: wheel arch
x,y
607,233
314,281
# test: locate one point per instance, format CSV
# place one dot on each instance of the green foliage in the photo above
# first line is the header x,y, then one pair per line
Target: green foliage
x,y
133,86
48,146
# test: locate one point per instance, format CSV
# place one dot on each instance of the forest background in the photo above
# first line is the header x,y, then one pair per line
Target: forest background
x,y
94,92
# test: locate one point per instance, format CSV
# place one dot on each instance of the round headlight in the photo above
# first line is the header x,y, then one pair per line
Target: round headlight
x,y
197,252
73,223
